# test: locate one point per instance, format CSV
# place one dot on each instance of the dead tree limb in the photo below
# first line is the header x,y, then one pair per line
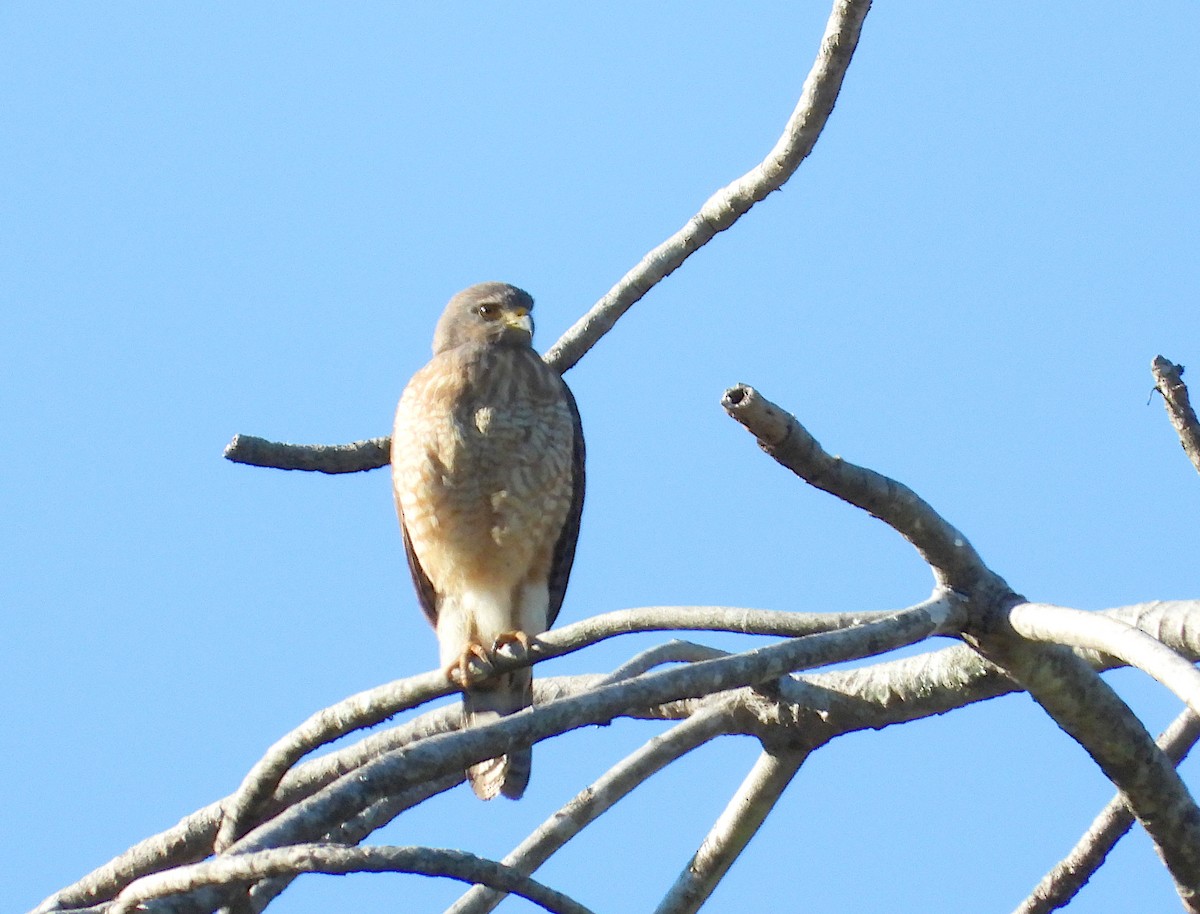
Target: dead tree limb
x,y
1168,380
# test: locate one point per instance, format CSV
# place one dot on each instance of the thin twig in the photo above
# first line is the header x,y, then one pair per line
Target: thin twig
x,y
590,803
732,831
1072,873
1168,379
324,858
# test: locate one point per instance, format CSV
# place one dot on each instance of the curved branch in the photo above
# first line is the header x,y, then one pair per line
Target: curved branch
x,y
324,858
674,651
368,708
1076,628
356,712
954,561
1088,710
321,458
1176,623
727,205
419,762
592,802
358,829
1168,379
828,704
732,831
1064,881
720,211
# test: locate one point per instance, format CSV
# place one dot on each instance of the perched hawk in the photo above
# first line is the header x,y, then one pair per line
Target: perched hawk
x,y
487,468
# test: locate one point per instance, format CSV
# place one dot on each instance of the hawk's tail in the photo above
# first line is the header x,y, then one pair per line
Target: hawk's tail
x,y
487,701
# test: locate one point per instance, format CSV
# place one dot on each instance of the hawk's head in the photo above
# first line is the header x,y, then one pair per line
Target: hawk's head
x,y
490,314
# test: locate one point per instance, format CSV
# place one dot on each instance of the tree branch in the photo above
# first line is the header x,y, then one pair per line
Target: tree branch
x,y
355,830
1061,682
356,712
727,205
732,831
824,705
592,802
1168,379
1076,628
440,754
324,858
321,458
1084,706
1071,874
674,651
954,561
719,212
368,708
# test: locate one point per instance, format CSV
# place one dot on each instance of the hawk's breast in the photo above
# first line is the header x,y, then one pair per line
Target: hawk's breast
x,y
482,466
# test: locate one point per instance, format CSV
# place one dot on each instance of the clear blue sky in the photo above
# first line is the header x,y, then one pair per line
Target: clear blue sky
x,y
245,217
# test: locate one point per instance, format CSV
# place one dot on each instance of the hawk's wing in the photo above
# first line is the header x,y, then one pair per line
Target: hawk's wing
x,y
426,595
564,549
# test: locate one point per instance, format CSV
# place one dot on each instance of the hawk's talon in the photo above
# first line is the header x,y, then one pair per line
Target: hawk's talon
x,y
461,672
505,639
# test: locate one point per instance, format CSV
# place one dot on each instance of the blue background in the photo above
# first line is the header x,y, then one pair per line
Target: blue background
x,y
228,217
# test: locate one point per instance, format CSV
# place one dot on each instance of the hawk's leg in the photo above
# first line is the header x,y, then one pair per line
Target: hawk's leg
x,y
462,670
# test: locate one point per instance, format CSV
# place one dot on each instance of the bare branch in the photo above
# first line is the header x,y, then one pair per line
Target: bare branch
x,y
739,822
186,842
1084,706
369,708
362,710
955,563
439,754
322,458
674,651
356,830
1168,379
1064,881
1176,623
827,704
1076,628
727,205
324,858
590,803
719,212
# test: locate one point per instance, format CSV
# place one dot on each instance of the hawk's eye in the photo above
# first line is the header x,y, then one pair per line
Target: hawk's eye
x,y
489,312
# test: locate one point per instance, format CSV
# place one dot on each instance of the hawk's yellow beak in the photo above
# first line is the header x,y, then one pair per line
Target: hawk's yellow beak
x,y
519,319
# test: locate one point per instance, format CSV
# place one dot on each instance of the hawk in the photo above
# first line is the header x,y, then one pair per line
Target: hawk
x,y
487,470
